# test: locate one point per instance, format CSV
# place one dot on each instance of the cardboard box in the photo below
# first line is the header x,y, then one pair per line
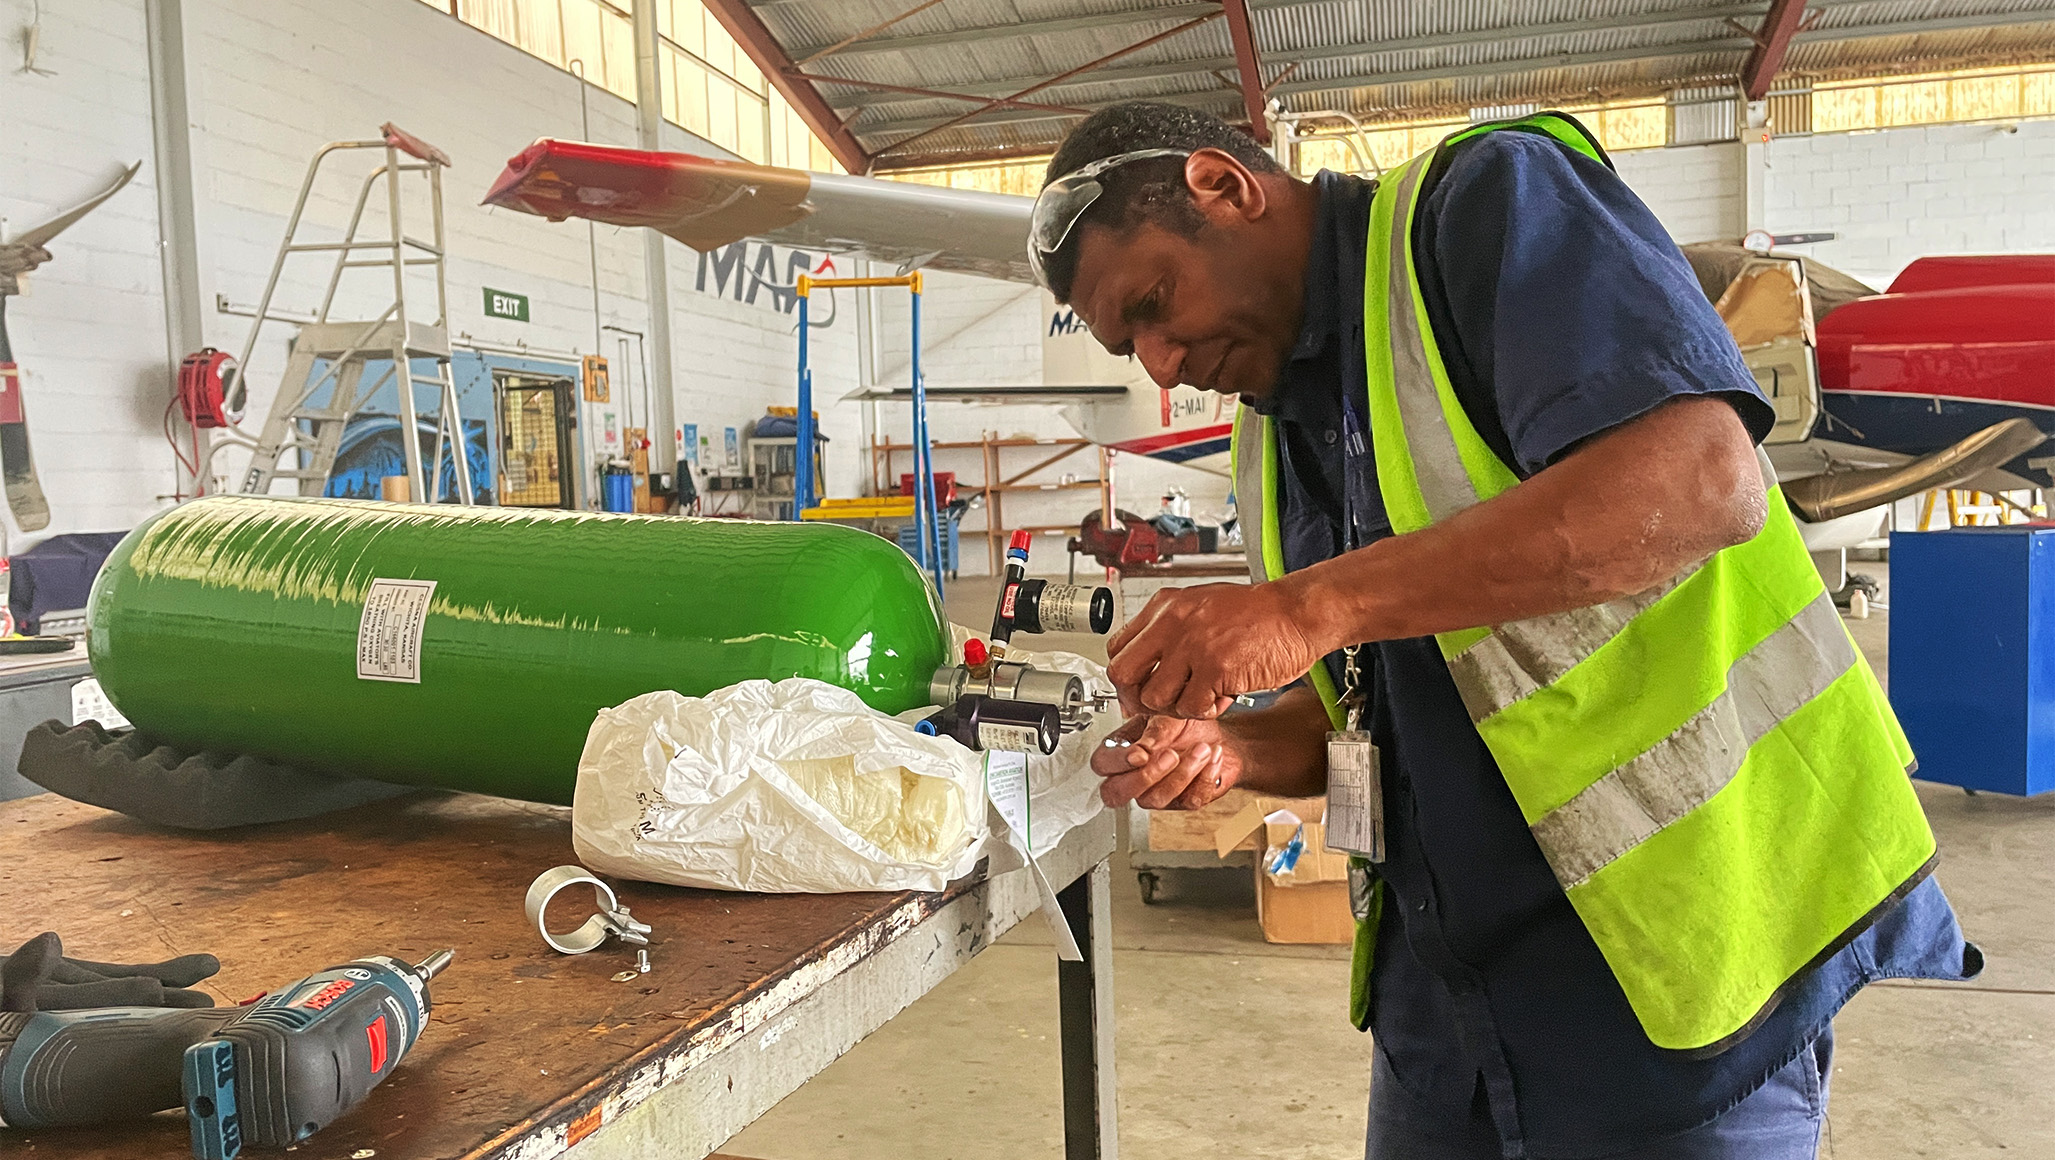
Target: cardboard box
x,y
1310,902
1199,829
1318,913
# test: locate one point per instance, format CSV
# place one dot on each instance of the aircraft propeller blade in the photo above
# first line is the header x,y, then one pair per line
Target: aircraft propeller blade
x,y
1839,493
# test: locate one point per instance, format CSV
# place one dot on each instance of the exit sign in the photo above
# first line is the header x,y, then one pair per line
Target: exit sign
x,y
500,304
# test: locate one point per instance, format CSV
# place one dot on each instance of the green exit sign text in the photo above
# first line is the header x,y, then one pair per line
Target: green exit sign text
x,y
500,304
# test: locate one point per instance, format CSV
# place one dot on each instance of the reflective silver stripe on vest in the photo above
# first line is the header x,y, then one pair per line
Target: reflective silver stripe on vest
x,y
1444,484
1524,656
1683,771
1251,506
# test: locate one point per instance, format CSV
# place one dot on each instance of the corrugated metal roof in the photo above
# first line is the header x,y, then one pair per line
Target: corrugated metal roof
x,y
1377,58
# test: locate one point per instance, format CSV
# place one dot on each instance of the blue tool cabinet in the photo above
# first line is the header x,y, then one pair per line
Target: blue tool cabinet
x,y
1973,654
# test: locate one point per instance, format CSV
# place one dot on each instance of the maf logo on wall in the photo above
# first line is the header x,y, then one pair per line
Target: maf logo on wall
x,y
744,270
1064,322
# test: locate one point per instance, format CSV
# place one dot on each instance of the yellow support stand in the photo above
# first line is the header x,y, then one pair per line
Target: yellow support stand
x,y
882,507
807,282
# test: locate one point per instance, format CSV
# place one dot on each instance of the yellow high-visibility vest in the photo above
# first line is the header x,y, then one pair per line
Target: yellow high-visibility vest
x,y
1710,767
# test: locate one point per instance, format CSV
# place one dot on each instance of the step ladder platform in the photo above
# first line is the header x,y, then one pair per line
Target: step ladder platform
x,y
332,340
303,432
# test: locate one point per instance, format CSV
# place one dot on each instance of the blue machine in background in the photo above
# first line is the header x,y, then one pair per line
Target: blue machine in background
x,y
371,449
1973,654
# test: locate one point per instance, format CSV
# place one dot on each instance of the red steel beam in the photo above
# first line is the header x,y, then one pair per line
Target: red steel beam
x,y
770,58
818,79
1246,63
1088,66
873,30
1041,152
1771,43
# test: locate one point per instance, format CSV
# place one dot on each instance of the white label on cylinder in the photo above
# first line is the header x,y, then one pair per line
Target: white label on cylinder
x,y
1066,608
90,703
1016,738
389,635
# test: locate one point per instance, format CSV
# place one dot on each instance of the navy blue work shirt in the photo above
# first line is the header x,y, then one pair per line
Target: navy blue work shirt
x,y
1562,309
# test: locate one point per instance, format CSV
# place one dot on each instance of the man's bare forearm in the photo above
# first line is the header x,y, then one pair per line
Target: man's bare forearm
x,y
1618,516
1283,747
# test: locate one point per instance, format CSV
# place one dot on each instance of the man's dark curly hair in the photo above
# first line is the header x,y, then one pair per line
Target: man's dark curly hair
x,y
1153,190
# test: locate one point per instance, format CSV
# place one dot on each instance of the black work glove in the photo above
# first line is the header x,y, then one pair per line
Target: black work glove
x,y
37,977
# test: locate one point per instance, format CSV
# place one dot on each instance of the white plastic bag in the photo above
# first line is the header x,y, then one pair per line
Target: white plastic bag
x,y
790,787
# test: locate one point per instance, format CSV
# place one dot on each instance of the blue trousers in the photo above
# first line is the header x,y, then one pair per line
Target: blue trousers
x,y
1781,1120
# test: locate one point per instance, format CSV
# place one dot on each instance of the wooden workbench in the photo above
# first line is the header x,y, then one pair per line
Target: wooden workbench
x,y
529,1052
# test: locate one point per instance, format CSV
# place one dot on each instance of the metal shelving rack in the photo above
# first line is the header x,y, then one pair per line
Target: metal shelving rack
x,y
997,485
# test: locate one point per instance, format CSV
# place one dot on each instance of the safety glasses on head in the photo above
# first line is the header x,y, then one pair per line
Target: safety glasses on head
x,y
1063,201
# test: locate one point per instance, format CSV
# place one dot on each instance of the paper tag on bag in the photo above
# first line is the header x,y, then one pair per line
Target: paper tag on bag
x,y
1006,784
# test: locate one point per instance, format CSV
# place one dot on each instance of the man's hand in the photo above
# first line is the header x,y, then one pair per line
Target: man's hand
x,y
1167,763
1191,651
1173,763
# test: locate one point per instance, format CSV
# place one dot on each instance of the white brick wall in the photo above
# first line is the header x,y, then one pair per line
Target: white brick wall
x,y
1900,194
735,357
89,331
1893,195
1695,191
311,74
92,331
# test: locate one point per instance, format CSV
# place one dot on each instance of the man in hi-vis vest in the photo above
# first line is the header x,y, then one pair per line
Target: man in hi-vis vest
x,y
1631,814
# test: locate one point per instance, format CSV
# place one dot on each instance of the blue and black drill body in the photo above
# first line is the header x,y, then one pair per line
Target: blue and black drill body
x,y
268,1074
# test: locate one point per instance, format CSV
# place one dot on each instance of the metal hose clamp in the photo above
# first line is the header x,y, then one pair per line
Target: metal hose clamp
x,y
612,918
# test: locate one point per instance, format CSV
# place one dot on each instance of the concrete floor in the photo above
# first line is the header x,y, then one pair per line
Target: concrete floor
x,y
1229,1046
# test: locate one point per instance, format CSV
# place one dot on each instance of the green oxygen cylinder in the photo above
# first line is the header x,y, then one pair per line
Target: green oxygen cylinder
x,y
470,648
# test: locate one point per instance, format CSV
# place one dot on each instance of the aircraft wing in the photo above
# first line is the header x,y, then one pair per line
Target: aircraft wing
x,y
707,203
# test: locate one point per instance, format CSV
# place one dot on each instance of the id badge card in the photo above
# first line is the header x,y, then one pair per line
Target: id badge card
x,y
1355,795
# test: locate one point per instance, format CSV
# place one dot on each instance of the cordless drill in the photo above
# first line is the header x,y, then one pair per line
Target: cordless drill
x,y
269,1074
